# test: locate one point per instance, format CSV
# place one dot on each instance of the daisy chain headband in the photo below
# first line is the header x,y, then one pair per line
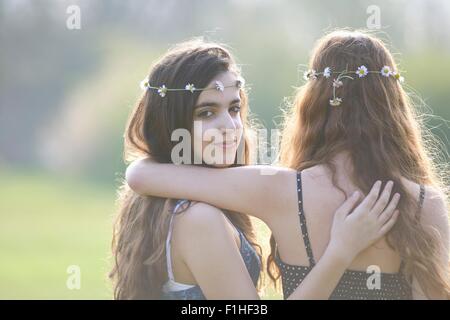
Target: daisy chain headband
x,y
362,71
162,90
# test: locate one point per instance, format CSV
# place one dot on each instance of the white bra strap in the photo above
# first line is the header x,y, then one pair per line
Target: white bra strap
x,y
168,255
168,240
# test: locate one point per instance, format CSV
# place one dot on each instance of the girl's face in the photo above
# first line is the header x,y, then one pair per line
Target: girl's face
x,y
218,114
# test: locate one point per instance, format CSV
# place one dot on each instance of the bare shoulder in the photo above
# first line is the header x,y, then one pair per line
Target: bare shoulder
x,y
318,176
317,182
200,216
321,198
200,230
434,210
435,200
200,222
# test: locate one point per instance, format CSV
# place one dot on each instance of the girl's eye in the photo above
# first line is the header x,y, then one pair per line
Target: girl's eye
x,y
235,109
205,114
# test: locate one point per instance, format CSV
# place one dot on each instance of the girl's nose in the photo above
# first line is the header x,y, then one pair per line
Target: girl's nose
x,y
226,122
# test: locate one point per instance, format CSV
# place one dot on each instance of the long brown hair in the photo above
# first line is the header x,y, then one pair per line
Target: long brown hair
x,y
379,127
142,222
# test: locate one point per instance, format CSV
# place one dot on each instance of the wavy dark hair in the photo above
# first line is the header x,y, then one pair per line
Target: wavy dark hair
x,y
142,222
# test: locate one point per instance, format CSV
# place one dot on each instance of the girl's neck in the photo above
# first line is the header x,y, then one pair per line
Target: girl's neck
x,y
343,163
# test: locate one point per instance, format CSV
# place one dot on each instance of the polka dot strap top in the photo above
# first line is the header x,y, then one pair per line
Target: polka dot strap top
x,y
353,284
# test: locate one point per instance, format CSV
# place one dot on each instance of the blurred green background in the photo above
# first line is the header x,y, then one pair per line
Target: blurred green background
x,y
65,96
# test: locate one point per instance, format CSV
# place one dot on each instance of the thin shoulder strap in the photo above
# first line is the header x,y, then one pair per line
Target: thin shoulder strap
x,y
169,238
420,202
421,196
301,215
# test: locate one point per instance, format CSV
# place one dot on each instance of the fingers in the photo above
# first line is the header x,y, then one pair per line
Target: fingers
x,y
383,200
348,205
372,197
387,213
388,225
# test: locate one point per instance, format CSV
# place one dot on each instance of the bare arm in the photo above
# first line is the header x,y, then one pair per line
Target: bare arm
x,y
259,191
250,190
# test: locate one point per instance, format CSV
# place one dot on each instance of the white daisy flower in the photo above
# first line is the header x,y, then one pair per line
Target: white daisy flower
x,y
335,102
337,83
306,75
144,84
362,71
162,91
190,87
386,71
219,86
398,77
327,72
310,75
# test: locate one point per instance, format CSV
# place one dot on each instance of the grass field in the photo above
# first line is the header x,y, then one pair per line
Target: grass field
x,y
49,223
